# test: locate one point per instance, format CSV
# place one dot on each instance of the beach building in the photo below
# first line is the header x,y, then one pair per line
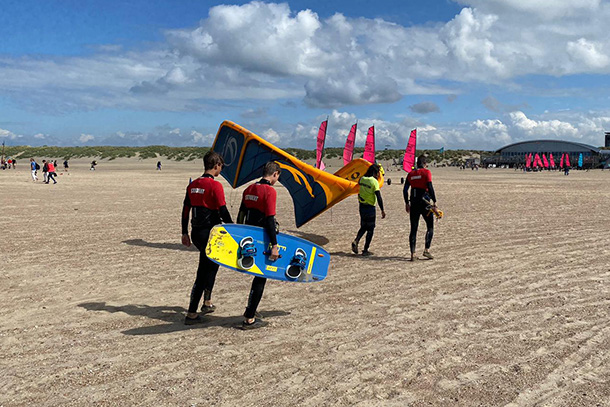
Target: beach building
x,y
514,154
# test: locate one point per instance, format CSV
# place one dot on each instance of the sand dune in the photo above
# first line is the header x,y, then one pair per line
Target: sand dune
x,y
514,310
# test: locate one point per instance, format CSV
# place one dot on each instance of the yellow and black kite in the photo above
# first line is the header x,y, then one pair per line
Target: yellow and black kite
x,y
313,191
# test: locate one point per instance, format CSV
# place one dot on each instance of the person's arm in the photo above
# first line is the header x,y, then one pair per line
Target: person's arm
x,y
405,195
224,214
241,215
380,202
431,191
186,209
270,223
219,193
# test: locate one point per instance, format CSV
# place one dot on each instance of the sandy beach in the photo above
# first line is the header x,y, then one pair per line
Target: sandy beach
x,y
514,309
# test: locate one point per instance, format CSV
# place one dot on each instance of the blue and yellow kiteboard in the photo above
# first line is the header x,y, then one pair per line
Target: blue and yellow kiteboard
x,y
246,249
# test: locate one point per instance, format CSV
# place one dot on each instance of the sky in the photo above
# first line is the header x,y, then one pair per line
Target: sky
x,y
468,74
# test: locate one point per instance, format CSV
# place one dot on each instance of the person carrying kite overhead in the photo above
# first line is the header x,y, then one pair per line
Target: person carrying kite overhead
x,y
206,197
258,209
422,197
368,196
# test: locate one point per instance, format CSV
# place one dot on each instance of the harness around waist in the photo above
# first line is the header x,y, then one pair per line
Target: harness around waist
x,y
418,194
204,217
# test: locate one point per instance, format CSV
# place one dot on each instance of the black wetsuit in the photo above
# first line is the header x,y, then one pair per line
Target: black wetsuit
x,y
203,220
418,208
253,213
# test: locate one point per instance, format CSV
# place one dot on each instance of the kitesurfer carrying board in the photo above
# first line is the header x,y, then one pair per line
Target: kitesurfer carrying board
x,y
368,196
258,209
422,195
206,197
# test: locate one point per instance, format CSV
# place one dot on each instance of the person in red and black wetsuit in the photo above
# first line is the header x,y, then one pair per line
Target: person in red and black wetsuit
x,y
205,197
258,209
420,181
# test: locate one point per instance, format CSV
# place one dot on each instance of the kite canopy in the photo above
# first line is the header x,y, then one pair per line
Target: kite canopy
x,y
313,191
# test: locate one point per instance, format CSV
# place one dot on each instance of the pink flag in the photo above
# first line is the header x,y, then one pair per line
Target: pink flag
x,y
537,160
369,147
408,162
320,145
528,160
561,162
545,161
567,160
348,151
551,160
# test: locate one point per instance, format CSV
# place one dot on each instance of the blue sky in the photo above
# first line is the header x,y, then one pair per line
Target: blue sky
x,y
475,74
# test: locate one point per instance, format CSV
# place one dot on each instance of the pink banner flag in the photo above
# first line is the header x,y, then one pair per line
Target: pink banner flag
x,y
537,160
561,162
408,161
369,147
567,160
528,161
320,145
551,160
545,161
348,151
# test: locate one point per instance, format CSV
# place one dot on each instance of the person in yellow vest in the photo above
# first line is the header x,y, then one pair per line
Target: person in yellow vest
x,y
368,196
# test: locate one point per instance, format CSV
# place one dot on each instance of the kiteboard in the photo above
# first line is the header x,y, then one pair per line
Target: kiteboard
x,y
246,249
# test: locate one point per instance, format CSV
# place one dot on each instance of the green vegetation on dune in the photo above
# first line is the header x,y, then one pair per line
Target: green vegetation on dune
x,y
108,152
192,153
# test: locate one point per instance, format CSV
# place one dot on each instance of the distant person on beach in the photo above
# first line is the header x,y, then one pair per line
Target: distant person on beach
x,y
205,196
258,209
45,171
14,164
66,165
158,165
420,182
368,196
51,172
34,168
93,164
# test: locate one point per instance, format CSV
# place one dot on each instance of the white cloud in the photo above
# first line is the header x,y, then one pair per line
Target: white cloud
x,y
268,51
271,136
85,138
588,52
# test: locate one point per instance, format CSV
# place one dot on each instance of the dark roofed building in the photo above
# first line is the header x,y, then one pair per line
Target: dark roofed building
x,y
514,154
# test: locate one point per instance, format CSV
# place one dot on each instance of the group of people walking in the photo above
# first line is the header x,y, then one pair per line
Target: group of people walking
x,y
48,170
417,205
205,201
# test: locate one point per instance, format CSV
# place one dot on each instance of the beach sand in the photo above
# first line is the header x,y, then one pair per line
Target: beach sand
x,y
514,309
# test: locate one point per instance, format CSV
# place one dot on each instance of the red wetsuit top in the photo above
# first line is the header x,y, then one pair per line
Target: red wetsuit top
x,y
51,167
258,203
206,197
421,182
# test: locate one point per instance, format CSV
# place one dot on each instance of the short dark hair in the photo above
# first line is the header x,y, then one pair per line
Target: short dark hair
x,y
421,160
372,171
270,168
211,159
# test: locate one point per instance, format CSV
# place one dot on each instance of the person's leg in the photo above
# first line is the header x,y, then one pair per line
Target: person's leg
x,y
370,229
360,233
368,239
206,271
256,293
430,229
414,218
